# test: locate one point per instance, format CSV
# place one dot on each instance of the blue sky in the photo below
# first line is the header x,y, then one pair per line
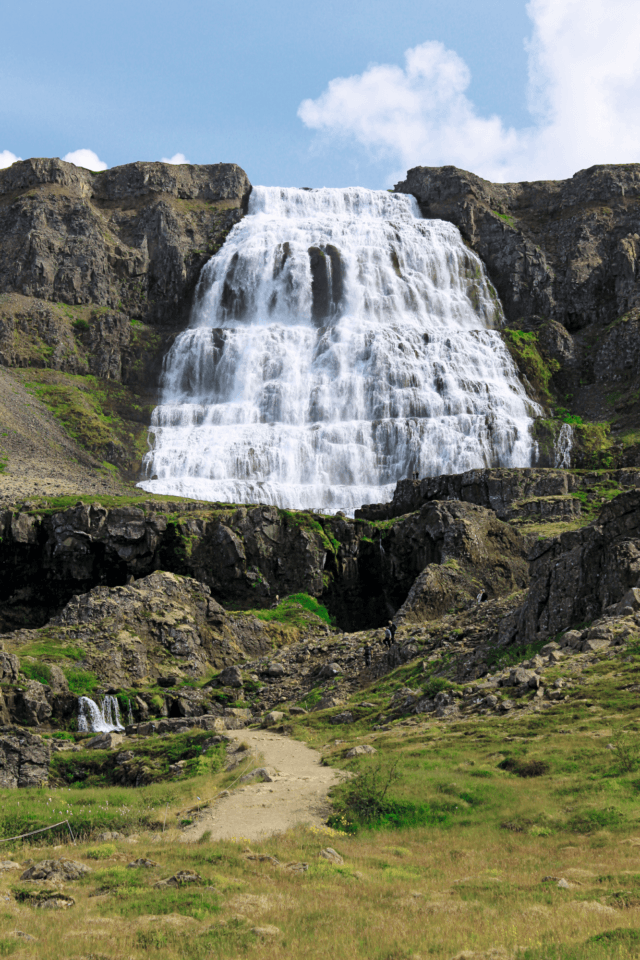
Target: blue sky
x,y
225,81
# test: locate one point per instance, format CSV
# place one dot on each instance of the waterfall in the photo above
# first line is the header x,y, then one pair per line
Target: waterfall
x,y
338,343
564,445
95,720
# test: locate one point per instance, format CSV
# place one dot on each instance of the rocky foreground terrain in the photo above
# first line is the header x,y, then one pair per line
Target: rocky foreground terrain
x,y
175,607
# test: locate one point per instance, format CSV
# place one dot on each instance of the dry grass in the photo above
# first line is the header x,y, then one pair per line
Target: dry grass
x,y
474,882
415,892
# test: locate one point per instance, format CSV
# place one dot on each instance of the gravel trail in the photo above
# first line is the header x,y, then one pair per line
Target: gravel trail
x,y
298,793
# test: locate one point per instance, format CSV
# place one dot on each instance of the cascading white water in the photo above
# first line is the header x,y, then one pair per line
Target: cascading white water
x,y
564,445
338,343
95,720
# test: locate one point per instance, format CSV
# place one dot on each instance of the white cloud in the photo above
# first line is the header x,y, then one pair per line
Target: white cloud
x,y
7,158
85,158
176,158
584,69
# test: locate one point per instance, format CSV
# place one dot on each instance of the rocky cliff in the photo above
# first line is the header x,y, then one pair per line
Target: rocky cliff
x,y
97,274
564,258
248,556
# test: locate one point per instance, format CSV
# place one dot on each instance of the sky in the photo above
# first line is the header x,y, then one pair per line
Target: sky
x,y
330,94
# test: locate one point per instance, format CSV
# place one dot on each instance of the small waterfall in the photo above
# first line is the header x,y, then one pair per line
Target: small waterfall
x,y
93,719
129,712
339,342
564,445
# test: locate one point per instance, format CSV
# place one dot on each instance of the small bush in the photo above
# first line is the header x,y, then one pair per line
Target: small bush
x,y
102,852
525,768
80,325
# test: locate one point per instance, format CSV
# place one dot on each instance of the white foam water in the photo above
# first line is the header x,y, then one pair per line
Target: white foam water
x,y
338,343
95,719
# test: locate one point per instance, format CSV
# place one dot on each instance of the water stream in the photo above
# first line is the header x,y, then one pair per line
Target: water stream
x,y
338,343
95,719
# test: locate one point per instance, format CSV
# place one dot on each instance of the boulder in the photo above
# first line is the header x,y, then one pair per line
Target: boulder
x,y
345,717
275,670
179,879
231,677
329,670
260,775
59,870
360,751
328,853
274,716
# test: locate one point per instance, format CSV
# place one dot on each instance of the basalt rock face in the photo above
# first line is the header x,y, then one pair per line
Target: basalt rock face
x,y
564,257
160,626
567,250
24,758
512,494
576,576
249,555
97,275
132,238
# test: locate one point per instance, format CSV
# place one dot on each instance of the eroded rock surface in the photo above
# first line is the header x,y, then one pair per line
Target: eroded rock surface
x,y
24,758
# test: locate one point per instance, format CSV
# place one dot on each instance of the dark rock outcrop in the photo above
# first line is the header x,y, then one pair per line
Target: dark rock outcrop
x,y
243,554
576,576
566,250
24,758
511,493
132,238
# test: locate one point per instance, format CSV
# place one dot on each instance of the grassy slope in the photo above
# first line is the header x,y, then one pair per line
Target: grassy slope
x,y
466,872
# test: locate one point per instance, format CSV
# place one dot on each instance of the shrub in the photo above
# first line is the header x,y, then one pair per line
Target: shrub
x,y
102,852
524,768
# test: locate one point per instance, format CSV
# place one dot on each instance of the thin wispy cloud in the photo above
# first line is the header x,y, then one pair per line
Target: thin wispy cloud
x,y
584,86
7,158
85,158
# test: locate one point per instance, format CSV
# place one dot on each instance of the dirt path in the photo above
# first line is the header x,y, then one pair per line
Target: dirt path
x,y
298,793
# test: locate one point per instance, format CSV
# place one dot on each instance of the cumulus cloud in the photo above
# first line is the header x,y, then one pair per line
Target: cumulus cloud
x,y
176,158
85,158
584,84
7,158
